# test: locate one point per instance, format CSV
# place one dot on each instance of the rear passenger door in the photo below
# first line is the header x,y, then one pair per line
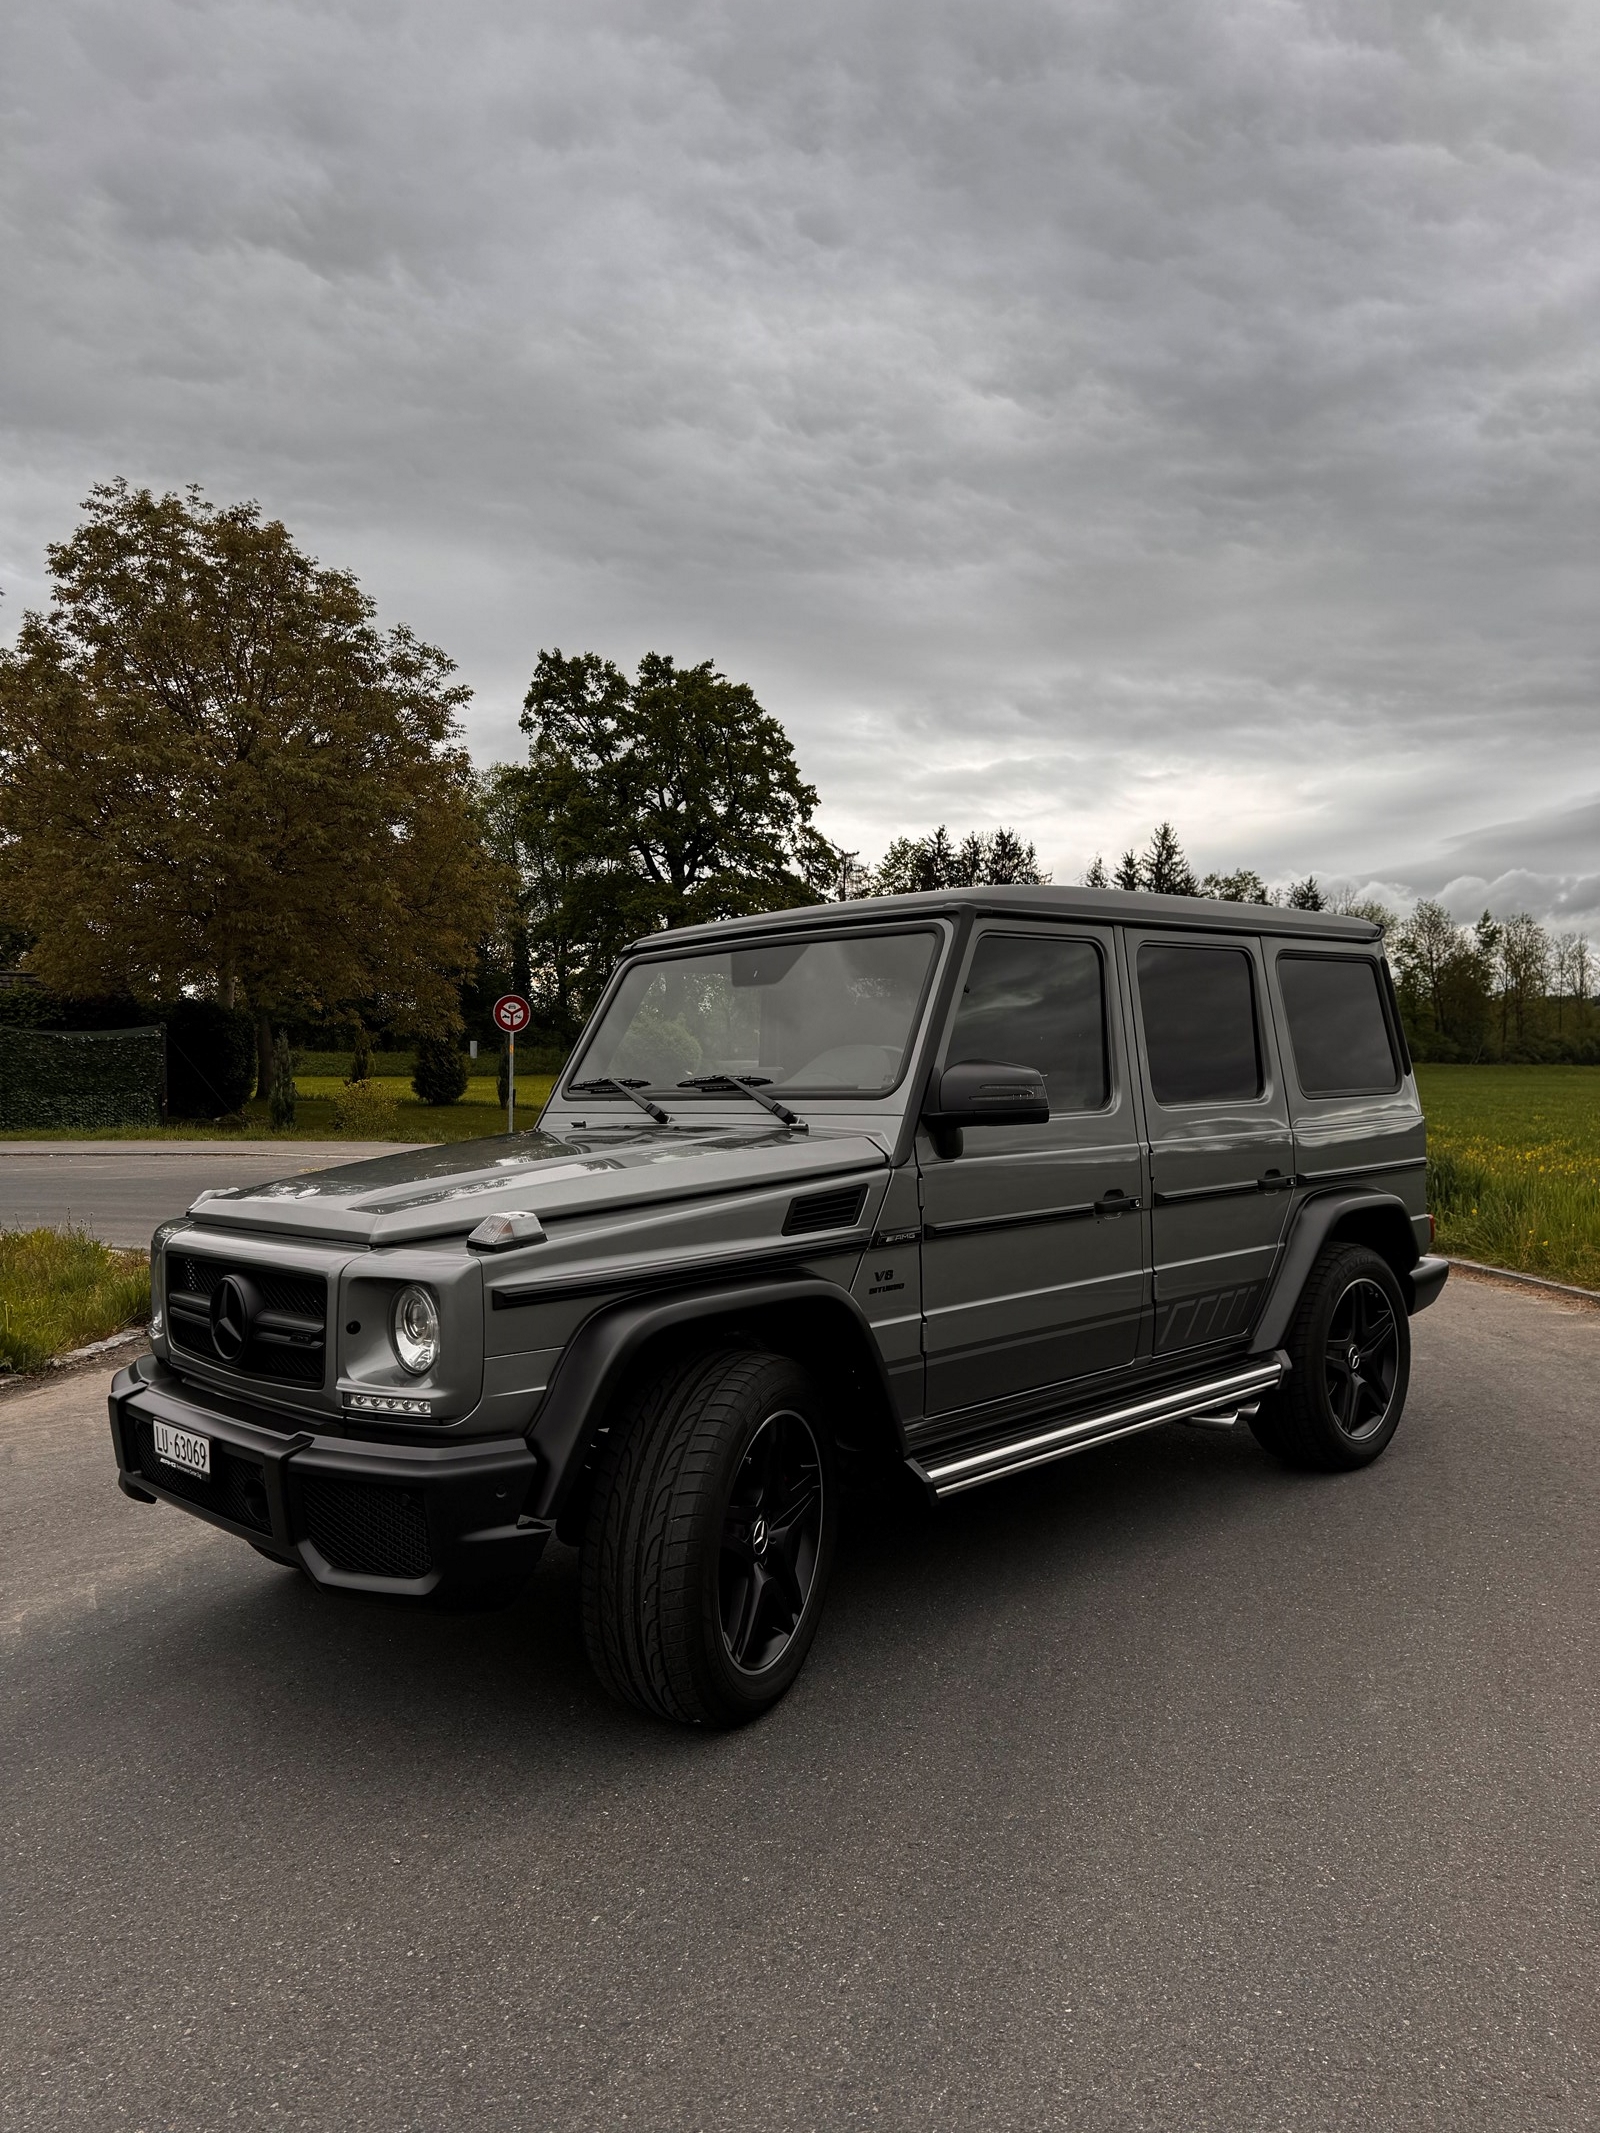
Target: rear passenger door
x,y
1033,1268
1221,1146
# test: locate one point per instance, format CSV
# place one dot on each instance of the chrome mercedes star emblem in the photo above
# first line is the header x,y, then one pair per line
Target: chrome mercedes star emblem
x,y
758,1536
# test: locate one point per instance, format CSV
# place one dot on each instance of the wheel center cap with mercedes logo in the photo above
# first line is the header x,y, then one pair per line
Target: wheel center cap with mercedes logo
x,y
230,1318
758,1537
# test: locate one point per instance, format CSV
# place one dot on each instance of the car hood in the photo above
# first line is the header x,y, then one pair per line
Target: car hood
x,y
427,1193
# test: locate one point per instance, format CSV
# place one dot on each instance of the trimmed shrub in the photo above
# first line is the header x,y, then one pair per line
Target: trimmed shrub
x,y
367,1111
360,1057
79,1079
440,1074
211,1059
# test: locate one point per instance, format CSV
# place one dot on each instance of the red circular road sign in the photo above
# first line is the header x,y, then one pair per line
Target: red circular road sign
x,y
512,1013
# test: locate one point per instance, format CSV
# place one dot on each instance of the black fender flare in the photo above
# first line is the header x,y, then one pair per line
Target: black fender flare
x,y
596,1360
1315,1223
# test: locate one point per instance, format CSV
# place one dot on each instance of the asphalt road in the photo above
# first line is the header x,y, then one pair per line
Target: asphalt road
x,y
1161,1789
121,1190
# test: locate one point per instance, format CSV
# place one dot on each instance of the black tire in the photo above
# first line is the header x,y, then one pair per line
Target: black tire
x,y
1350,1347
681,1515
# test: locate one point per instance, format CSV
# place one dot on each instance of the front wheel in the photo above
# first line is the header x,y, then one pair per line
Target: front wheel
x,y
1349,1346
710,1538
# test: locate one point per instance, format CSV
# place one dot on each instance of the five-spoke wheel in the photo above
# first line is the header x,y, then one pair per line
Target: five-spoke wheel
x,y
1362,1358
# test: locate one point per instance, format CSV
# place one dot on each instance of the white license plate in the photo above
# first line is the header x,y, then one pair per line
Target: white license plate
x,y
181,1447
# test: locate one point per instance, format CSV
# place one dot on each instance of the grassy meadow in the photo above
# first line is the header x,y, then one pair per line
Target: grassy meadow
x,y
61,1289
1514,1166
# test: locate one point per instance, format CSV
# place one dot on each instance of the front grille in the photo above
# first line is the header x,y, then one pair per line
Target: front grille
x,y
367,1528
235,1488
840,1209
289,1317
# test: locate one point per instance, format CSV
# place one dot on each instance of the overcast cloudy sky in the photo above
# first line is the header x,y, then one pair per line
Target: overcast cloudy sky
x,y
1067,415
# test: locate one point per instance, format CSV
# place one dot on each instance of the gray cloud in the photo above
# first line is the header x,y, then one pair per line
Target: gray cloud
x,y
1070,415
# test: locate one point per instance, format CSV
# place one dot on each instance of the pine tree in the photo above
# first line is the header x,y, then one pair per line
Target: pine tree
x,y
1164,870
1008,862
1306,895
1096,878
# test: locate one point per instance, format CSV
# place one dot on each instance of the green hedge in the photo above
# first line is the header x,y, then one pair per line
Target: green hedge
x,y
80,1079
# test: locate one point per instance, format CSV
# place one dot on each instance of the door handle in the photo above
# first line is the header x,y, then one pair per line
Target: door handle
x,y
1115,1202
1275,1181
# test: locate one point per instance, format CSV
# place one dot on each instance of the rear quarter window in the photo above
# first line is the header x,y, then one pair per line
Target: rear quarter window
x,y
1338,1030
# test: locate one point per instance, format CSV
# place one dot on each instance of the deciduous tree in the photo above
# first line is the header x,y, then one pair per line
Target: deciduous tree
x,y
1243,886
217,776
663,800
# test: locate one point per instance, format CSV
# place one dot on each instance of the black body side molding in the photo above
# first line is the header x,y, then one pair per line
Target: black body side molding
x,y
596,1359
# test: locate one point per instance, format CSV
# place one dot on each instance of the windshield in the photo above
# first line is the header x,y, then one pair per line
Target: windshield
x,y
813,1018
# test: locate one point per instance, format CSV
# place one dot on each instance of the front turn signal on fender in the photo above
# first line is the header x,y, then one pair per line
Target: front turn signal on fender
x,y
499,1233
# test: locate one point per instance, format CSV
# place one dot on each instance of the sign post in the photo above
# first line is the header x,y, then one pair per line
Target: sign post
x,y
511,1013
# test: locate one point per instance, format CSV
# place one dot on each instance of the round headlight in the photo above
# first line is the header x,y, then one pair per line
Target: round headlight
x,y
416,1330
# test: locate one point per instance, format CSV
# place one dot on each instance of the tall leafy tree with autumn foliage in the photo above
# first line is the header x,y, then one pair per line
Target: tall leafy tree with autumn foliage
x,y
217,775
663,799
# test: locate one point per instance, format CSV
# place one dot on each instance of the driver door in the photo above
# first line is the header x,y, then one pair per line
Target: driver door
x,y
1033,1261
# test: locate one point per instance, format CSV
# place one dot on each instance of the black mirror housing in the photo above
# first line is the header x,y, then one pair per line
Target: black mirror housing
x,y
981,1092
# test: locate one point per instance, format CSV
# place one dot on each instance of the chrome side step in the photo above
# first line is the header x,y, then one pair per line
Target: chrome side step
x,y
1214,1403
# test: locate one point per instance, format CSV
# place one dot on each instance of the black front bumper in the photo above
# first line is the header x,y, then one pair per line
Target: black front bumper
x,y
393,1518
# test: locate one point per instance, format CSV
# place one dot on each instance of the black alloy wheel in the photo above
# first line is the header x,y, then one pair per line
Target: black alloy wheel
x,y
771,1542
709,1537
1349,1348
1362,1359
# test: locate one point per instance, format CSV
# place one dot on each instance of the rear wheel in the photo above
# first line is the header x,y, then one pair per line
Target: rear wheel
x,y
710,1538
1349,1345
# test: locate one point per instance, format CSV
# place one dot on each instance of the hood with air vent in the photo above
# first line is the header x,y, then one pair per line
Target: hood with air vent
x,y
438,1193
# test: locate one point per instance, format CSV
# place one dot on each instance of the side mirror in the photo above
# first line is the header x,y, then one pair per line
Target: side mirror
x,y
980,1092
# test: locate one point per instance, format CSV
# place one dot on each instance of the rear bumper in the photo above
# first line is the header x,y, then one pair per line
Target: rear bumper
x,y
404,1519
1427,1278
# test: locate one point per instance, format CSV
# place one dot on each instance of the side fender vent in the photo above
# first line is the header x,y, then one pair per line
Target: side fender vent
x,y
840,1209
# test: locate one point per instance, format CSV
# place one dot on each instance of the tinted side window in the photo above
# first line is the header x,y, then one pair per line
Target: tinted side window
x,y
1337,1025
1037,1003
1199,1008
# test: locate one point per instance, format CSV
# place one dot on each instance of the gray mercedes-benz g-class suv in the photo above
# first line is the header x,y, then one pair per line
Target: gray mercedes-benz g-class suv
x,y
960,1183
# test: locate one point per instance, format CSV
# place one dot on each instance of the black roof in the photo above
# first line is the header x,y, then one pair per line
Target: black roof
x,y
1208,914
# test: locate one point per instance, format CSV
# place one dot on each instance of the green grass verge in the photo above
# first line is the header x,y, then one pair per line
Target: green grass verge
x,y
1514,1166
61,1289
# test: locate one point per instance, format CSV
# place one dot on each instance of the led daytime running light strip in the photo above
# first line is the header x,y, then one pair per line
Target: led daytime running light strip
x,y
384,1403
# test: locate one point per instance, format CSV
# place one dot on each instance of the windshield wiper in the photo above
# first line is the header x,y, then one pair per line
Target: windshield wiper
x,y
752,1085
630,1089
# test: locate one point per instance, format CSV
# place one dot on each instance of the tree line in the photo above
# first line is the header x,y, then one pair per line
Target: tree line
x,y
225,791
1497,989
